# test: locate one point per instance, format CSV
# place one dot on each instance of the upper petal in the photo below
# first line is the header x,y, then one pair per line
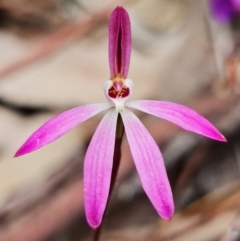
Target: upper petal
x,y
98,168
59,125
180,115
149,164
119,46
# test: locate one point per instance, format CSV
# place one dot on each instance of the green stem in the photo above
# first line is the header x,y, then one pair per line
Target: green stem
x,y
116,162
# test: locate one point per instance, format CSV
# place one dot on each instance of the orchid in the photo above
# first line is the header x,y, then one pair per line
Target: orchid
x,y
98,161
224,10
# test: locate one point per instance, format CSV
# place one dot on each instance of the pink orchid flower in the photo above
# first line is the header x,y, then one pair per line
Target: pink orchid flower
x,y
98,161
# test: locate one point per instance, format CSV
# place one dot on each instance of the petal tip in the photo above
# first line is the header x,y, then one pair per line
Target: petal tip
x,y
168,215
219,137
94,223
168,219
25,149
119,8
20,152
214,134
223,138
167,210
17,154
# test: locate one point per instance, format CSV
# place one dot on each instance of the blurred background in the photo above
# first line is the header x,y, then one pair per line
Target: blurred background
x,y
53,56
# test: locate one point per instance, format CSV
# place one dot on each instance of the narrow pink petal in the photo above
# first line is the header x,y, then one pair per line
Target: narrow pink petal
x,y
119,46
59,125
180,115
150,165
98,168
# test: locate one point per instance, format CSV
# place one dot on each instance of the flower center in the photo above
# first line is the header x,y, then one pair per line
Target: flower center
x,y
118,89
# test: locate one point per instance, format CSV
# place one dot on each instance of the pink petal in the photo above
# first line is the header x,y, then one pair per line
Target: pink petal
x,y
180,115
119,46
98,168
150,165
59,125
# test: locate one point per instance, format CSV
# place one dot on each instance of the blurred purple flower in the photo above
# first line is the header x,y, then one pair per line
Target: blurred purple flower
x,y
145,152
224,10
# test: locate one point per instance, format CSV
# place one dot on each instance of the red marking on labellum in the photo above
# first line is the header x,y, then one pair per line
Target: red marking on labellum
x,y
118,90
